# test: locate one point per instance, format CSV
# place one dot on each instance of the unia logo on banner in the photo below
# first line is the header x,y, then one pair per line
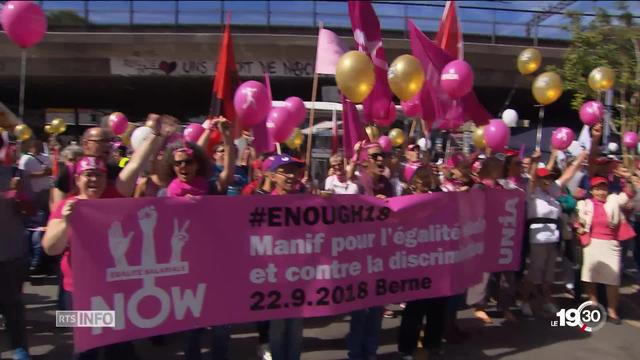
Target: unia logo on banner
x,y
149,269
588,317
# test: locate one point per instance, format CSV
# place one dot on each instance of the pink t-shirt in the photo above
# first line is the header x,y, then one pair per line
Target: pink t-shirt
x,y
600,224
65,263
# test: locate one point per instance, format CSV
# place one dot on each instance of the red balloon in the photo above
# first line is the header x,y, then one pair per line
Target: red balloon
x,y
24,22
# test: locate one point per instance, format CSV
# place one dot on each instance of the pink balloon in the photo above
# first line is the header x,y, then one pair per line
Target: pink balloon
x,y
391,116
412,107
252,103
591,112
295,105
385,143
279,125
193,132
118,123
496,135
24,22
630,139
562,138
457,78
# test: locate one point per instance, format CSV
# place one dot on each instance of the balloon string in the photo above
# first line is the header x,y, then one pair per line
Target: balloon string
x,y
539,132
509,97
23,76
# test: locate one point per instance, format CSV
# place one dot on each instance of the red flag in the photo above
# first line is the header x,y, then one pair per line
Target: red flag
x,y
225,79
436,105
366,32
449,36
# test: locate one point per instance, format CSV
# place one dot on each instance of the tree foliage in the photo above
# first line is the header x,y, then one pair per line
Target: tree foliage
x,y
65,18
605,40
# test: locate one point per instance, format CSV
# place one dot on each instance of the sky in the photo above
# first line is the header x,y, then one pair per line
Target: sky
x,y
334,14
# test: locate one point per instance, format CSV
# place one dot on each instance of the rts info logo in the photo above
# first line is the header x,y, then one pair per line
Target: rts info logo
x,y
589,317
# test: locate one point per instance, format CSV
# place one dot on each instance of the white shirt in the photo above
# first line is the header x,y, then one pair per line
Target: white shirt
x,y
544,205
343,188
33,164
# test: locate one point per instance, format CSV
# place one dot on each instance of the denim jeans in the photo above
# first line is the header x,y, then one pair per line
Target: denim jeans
x,y
285,338
219,344
124,350
35,247
364,333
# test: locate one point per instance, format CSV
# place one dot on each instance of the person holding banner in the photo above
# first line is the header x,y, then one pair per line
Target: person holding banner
x,y
91,182
422,181
187,171
285,335
365,324
490,174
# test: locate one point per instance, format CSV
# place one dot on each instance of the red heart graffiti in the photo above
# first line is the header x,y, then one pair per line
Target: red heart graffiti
x,y
168,67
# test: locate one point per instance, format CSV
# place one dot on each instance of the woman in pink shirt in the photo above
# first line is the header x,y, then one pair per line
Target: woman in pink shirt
x,y
601,227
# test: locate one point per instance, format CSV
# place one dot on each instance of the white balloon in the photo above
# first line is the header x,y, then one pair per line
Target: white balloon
x,y
510,117
613,147
139,135
424,144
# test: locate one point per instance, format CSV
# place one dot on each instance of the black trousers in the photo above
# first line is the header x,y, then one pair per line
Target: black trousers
x,y
12,275
435,310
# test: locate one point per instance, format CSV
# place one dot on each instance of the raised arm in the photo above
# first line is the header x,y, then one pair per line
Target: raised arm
x,y
596,136
552,159
226,176
126,182
571,171
56,238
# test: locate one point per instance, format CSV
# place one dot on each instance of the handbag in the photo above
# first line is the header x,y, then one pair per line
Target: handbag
x,y
625,230
567,202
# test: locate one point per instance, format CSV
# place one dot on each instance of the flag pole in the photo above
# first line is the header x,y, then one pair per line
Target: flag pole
x,y
23,76
312,113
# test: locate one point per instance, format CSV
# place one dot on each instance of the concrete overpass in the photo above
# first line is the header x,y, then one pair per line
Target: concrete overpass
x,y
171,72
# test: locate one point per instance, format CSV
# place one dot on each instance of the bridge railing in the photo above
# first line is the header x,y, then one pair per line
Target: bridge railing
x,y
475,20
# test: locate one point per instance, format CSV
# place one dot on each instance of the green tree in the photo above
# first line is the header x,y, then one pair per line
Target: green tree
x,y
605,40
65,18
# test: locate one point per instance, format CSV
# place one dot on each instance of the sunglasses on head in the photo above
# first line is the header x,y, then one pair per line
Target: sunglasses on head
x,y
376,156
180,162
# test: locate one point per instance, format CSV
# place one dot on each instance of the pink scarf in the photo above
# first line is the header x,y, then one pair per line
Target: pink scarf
x,y
197,187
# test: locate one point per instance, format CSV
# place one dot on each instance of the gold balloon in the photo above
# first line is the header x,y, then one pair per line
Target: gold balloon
x,y
405,77
58,126
22,132
547,88
373,132
478,138
47,129
602,78
355,76
295,140
529,61
397,137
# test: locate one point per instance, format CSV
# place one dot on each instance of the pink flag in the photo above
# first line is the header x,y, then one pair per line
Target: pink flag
x,y
366,32
352,128
330,48
435,102
449,36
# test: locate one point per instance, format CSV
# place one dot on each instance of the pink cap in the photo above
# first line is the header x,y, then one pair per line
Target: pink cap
x,y
90,163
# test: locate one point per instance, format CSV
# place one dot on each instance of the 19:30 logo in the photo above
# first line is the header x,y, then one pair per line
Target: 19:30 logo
x,y
588,317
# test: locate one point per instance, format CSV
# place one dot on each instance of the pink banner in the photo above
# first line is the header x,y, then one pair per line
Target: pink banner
x,y
220,260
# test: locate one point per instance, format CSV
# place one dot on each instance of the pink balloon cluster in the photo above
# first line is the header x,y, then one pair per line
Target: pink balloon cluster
x,y
283,120
591,112
24,22
562,137
630,139
496,135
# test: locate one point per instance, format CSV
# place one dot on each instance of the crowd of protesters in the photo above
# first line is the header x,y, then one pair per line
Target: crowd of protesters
x,y
581,210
